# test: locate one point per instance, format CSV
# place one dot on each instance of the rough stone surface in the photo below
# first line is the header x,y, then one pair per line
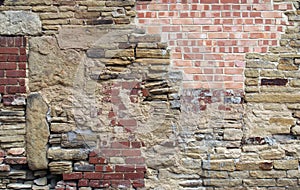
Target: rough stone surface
x,y
19,23
37,132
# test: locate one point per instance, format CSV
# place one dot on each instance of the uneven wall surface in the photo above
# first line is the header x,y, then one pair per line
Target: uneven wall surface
x,y
199,94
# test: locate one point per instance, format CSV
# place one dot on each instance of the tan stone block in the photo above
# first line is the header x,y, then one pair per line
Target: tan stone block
x,y
55,22
273,98
293,173
239,174
220,165
287,182
295,83
260,64
282,121
252,73
153,61
222,182
286,164
48,16
214,174
287,67
44,9
233,134
271,73
152,53
259,182
272,154
119,53
267,174
251,81
254,165
252,89
295,130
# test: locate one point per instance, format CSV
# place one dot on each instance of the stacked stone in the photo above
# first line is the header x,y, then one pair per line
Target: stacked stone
x,y
55,14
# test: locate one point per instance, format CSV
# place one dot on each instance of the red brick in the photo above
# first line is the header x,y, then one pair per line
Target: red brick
x,y
134,152
138,183
136,144
15,74
97,160
22,66
3,58
8,66
22,58
101,168
93,175
83,183
3,42
99,183
94,153
72,176
124,168
1,73
140,168
9,50
111,152
134,175
124,144
15,89
128,122
113,176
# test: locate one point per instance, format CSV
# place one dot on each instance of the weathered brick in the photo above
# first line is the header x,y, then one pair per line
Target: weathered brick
x,y
93,175
72,176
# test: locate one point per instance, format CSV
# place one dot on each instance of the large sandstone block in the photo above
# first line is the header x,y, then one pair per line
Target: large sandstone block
x,y
19,23
37,132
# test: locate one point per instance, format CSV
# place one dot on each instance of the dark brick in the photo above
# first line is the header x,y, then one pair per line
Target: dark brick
x,y
113,176
267,165
101,168
138,183
16,74
276,82
97,160
93,175
72,176
83,183
124,168
99,21
139,175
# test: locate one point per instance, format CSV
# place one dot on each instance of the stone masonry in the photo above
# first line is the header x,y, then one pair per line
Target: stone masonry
x,y
126,94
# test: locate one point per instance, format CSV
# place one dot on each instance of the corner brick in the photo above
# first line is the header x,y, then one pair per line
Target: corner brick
x,y
72,176
138,183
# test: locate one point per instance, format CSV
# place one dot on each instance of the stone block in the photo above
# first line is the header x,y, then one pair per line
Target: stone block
x,y
273,98
67,154
286,164
259,182
152,53
37,132
60,167
219,165
19,23
233,134
268,174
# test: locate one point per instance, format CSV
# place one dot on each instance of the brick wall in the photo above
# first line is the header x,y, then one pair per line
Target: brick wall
x,y
13,61
209,39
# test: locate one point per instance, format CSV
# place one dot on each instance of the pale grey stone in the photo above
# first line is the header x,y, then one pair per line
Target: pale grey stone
x,y
19,23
